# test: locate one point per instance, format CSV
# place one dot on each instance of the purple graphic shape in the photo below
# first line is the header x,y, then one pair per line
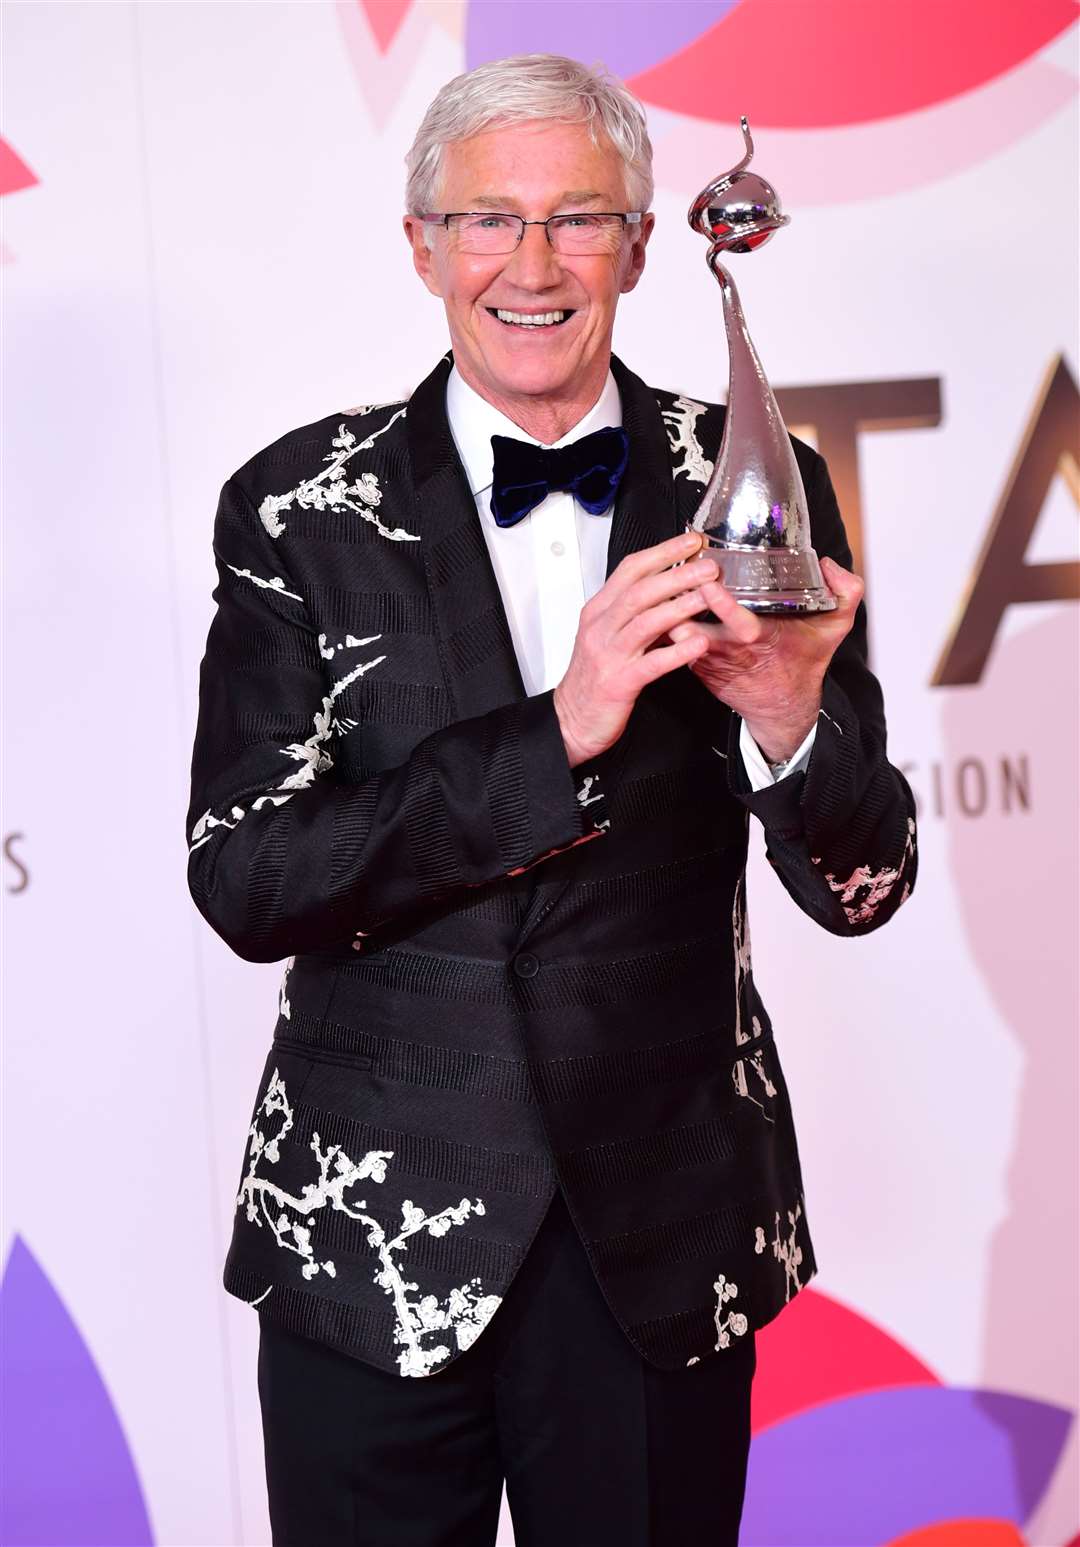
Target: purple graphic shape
x,y
868,1468
626,38
68,1473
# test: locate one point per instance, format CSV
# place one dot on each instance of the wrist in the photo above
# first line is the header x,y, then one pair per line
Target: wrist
x,y
575,751
779,740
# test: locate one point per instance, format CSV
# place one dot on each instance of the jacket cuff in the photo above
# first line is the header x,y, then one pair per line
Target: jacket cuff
x,y
566,805
818,790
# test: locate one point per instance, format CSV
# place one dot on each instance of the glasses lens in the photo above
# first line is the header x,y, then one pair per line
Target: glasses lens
x,y
585,233
485,233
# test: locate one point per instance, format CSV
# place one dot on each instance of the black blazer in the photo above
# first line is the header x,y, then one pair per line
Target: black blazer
x,y
505,975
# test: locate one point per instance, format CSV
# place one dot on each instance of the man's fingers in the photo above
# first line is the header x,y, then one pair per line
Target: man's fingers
x,y
845,585
739,622
645,563
649,561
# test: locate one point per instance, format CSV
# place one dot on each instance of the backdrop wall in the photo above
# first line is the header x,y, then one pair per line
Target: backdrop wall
x,y
202,249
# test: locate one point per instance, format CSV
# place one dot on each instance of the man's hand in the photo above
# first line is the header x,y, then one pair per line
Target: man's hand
x,y
770,669
616,651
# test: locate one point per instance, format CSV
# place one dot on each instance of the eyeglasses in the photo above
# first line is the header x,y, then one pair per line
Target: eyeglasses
x,y
476,232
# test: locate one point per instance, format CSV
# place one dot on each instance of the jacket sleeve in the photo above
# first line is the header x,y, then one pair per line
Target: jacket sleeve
x,y
284,855
840,833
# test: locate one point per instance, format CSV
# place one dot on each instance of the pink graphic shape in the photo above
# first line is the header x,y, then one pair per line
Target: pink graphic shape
x,y
384,19
14,172
383,61
847,61
819,1351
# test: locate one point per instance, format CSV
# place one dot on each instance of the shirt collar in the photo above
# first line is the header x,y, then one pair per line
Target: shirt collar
x,y
473,421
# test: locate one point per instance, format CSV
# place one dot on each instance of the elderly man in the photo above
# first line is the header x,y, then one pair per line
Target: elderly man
x,y
468,755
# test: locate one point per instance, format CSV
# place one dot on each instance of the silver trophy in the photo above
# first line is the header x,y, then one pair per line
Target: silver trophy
x,y
753,511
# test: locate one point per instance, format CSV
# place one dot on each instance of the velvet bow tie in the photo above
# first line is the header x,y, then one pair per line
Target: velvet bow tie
x,y
524,474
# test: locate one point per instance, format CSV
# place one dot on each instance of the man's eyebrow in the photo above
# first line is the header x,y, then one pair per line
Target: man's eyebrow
x,y
505,201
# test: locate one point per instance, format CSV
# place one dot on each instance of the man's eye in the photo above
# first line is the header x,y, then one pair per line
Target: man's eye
x,y
489,222
577,221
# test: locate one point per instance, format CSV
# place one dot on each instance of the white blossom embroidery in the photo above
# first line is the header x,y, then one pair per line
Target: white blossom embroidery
x,y
584,795
788,1251
740,933
331,490
680,421
207,823
291,1220
371,408
865,890
350,642
734,1322
284,1007
274,584
310,754
738,1074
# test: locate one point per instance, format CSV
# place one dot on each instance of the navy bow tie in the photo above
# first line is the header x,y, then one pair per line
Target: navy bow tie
x,y
523,474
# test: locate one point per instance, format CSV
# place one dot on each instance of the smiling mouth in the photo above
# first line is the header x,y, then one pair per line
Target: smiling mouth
x,y
553,319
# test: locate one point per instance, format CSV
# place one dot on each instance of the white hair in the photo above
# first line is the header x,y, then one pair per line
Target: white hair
x,y
521,89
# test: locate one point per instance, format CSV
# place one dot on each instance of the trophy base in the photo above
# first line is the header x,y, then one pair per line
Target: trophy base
x,y
772,580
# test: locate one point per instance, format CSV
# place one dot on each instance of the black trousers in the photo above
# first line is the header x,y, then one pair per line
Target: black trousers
x,y
597,1448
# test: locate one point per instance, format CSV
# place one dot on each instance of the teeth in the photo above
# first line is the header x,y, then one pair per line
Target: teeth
x,y
538,320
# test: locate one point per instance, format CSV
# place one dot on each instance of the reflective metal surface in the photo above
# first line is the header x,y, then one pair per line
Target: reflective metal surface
x,y
754,511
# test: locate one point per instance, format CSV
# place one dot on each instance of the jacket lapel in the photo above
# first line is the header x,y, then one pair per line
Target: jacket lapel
x,y
646,508
475,643
646,512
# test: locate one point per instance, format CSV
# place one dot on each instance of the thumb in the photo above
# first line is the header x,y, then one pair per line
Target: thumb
x,y
845,585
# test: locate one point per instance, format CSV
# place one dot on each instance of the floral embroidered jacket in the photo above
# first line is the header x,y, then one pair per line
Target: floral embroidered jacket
x,y
504,975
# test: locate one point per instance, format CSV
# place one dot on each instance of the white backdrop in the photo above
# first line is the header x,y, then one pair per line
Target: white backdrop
x,y
211,254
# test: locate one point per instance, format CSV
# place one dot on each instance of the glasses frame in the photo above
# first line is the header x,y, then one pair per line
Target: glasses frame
x,y
628,218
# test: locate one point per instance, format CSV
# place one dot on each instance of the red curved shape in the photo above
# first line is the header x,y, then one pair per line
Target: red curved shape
x,y
817,1351
847,61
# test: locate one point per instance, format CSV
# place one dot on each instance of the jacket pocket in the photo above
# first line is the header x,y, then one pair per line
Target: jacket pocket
x,y
337,1082
321,1055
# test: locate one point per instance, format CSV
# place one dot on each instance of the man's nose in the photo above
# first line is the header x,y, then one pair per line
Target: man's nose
x,y
534,263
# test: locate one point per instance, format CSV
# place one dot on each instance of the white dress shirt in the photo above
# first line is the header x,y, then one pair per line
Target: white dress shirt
x,y
553,560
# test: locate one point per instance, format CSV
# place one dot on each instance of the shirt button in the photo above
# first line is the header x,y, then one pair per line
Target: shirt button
x,y
558,548
526,965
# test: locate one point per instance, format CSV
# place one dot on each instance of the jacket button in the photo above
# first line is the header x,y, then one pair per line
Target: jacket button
x,y
526,965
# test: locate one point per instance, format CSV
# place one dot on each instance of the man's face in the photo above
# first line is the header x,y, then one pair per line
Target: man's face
x,y
535,170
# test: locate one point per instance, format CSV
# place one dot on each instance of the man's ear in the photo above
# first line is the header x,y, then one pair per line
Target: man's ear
x,y
637,254
421,252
